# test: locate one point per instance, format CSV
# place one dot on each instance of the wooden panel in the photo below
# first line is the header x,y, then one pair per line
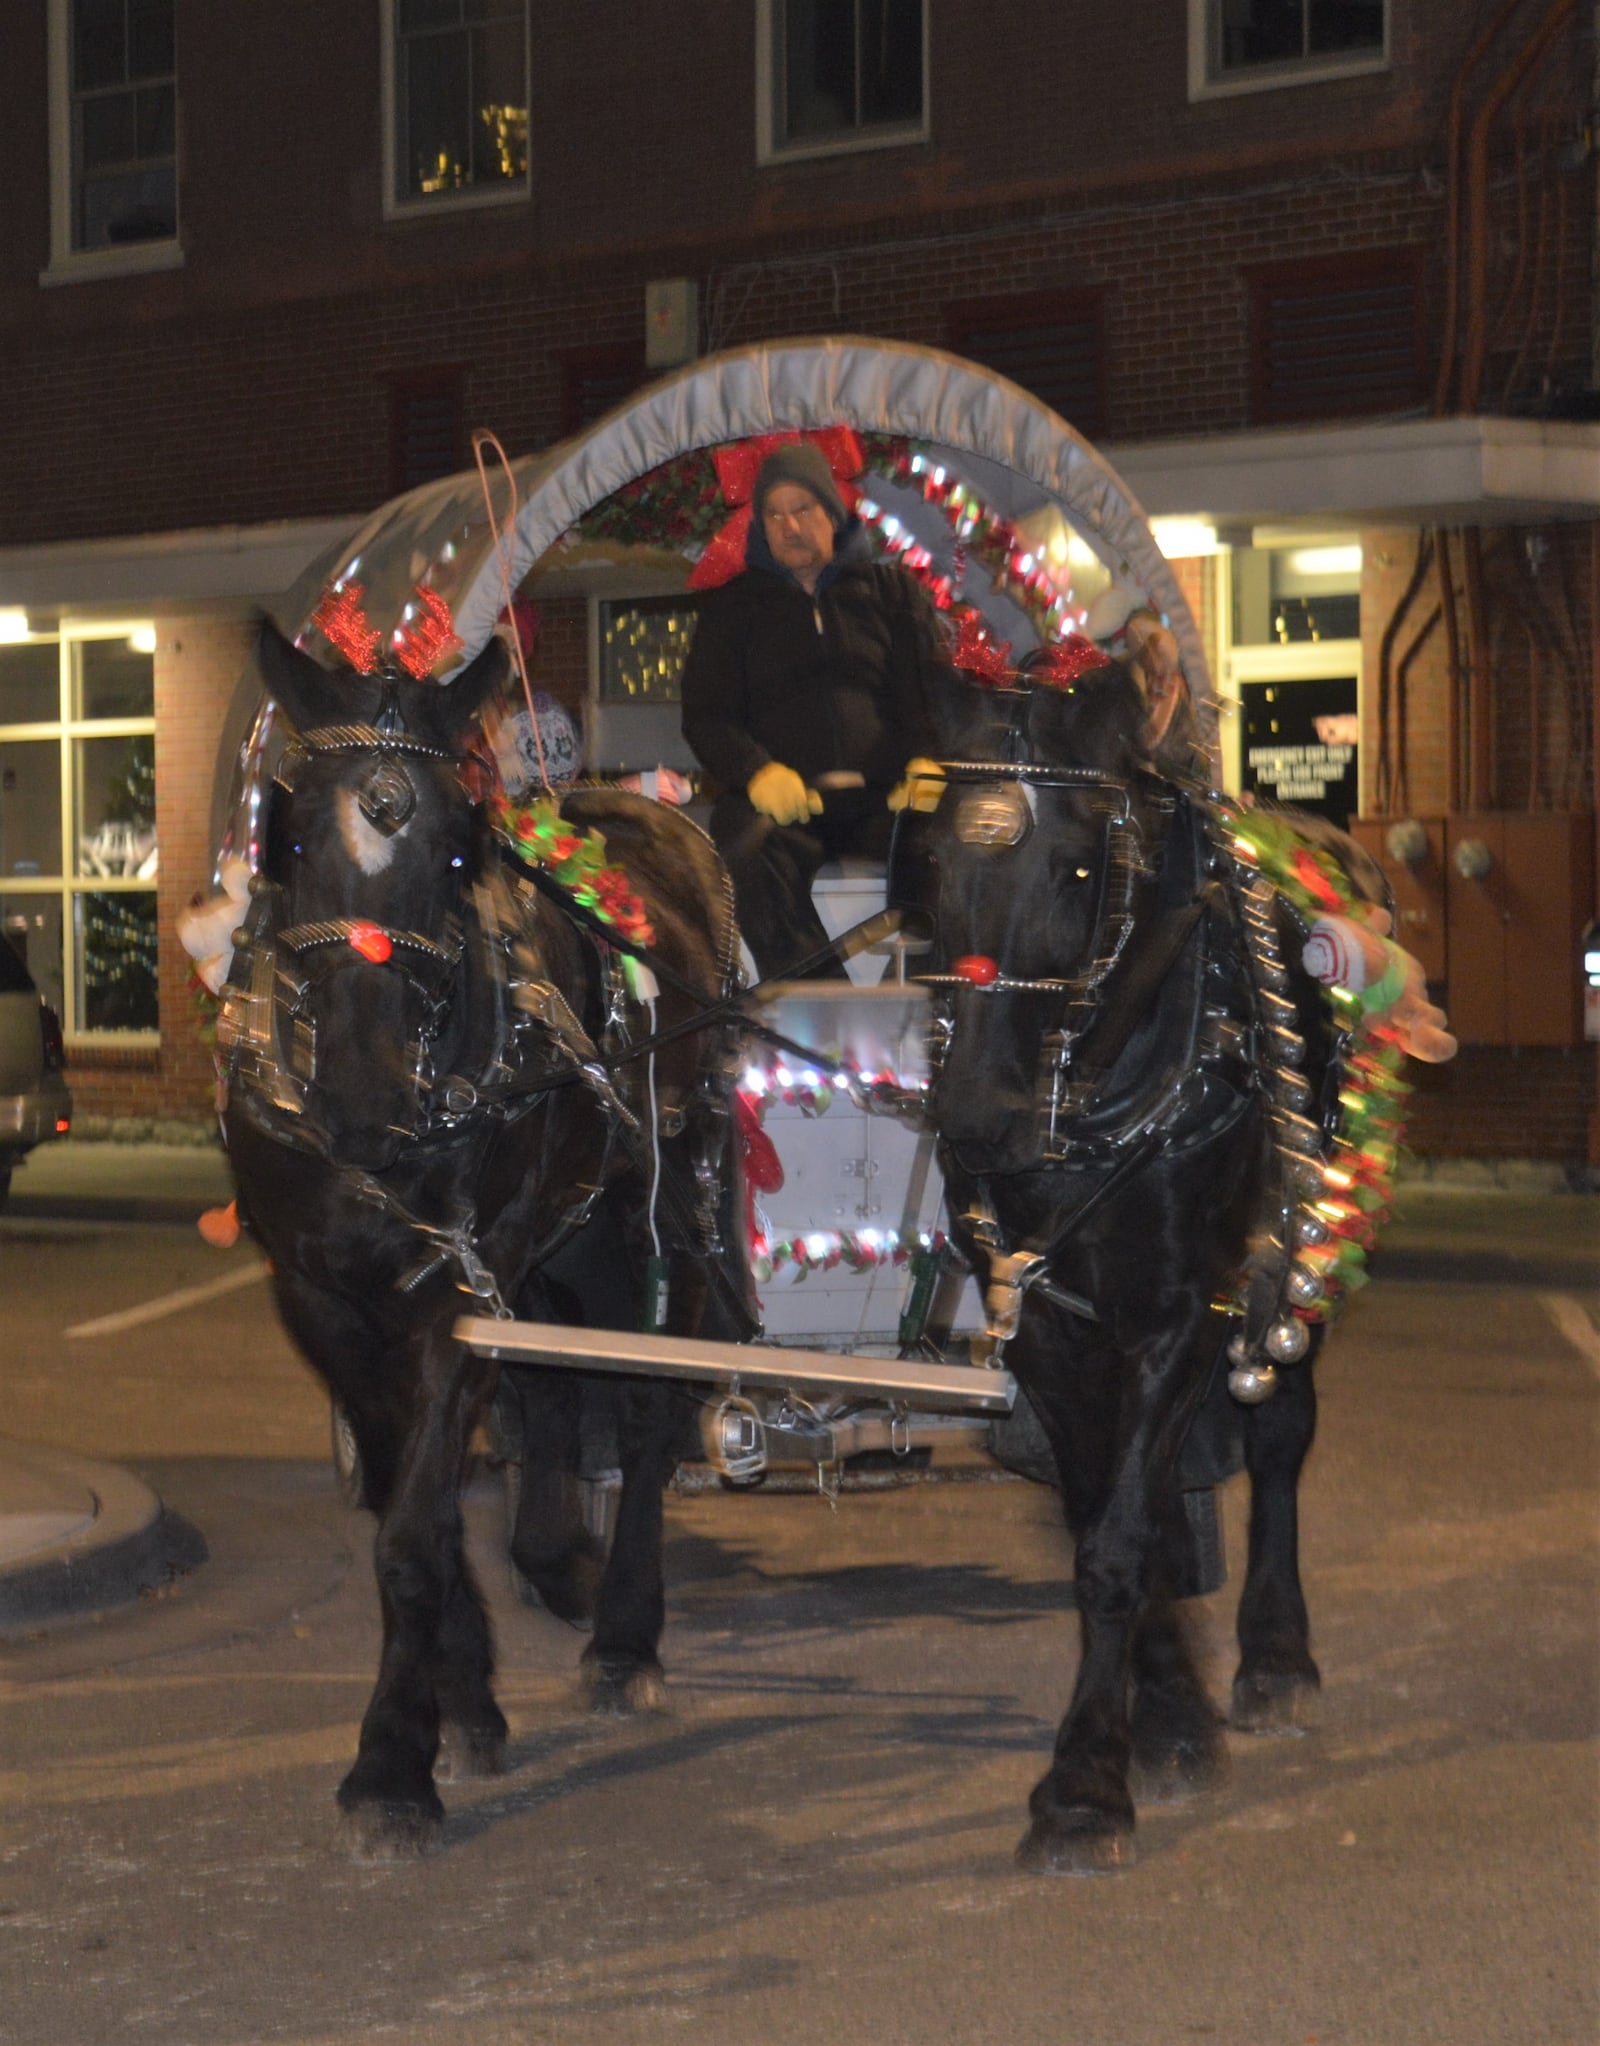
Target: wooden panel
x,y
1548,863
1419,892
1477,913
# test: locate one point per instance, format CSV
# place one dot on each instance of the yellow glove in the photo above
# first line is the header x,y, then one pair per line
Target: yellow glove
x,y
920,788
779,793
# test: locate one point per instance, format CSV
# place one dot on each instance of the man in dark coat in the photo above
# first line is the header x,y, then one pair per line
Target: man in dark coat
x,y
805,698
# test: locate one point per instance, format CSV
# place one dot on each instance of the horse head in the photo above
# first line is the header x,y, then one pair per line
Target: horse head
x,y
1034,846
371,850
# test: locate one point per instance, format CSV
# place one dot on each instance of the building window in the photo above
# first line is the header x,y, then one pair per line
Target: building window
x,y
839,74
1248,45
1337,337
78,849
113,137
456,102
1050,342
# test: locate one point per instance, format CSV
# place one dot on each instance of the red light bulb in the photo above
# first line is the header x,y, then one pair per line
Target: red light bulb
x,y
977,969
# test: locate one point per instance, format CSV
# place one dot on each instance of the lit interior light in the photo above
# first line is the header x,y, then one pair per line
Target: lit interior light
x,y
1184,539
142,639
1325,560
13,626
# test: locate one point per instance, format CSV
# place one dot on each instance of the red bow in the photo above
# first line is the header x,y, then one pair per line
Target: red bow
x,y
1060,666
976,653
737,466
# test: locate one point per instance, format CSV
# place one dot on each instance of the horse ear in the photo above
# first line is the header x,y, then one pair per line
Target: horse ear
x,y
1098,722
306,692
455,704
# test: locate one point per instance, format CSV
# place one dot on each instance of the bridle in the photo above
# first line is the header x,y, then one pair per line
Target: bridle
x,y
1124,866
272,1037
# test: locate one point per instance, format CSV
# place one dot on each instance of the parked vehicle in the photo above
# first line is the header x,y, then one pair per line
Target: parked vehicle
x,y
34,1102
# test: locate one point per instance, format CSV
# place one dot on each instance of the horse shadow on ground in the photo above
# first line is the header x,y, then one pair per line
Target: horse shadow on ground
x,y
725,1584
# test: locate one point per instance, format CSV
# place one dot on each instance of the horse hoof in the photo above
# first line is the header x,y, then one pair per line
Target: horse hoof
x,y
466,1752
1060,1847
1282,1703
623,1693
379,1833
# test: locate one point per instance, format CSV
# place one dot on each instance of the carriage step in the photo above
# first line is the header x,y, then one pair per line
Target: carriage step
x,y
958,1388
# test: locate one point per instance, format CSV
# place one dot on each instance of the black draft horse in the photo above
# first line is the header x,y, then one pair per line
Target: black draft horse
x,y
1110,1119
423,1120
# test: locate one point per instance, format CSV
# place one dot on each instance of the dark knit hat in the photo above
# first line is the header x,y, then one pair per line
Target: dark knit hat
x,y
803,463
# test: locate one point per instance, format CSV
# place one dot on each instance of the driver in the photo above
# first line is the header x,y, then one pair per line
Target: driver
x,y
806,698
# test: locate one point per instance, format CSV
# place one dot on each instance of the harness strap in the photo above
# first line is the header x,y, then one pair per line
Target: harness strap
x,y
1134,985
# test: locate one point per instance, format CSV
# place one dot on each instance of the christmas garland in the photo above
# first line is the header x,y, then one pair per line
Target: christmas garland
x,y
1358,1178
824,1250
538,833
680,504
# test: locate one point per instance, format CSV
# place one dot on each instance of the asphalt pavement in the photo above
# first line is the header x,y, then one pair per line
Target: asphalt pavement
x,y
78,1535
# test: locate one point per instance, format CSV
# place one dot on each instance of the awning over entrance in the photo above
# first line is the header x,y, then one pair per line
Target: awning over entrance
x,y
1414,472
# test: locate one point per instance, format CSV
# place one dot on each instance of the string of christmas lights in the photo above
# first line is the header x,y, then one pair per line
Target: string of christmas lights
x,y
1358,1176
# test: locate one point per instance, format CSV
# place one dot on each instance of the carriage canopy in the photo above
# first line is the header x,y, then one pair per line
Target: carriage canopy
x,y
1069,519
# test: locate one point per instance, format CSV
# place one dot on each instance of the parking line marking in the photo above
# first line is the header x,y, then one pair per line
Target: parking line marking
x,y
1572,1318
169,1303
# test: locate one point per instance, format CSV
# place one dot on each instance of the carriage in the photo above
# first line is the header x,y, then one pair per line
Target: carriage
x,y
977,488
1172,1045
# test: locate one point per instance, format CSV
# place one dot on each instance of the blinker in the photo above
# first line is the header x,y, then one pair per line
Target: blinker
x,y
371,943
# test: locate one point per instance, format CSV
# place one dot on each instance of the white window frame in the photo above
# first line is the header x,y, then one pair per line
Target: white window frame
x,y
1297,660
397,208
66,729
770,150
67,264
1203,84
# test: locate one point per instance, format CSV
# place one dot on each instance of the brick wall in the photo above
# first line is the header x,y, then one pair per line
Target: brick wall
x,y
1489,1102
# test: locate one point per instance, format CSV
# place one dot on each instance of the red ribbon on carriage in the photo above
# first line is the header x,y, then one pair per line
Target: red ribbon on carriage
x,y
739,463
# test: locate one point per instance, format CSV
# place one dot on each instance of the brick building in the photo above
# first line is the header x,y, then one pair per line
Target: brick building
x,y
1318,275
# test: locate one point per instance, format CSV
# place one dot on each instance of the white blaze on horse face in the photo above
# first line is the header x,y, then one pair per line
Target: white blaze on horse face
x,y
371,849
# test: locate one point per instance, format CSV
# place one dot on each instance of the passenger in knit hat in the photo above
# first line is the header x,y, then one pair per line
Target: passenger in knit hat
x,y
804,463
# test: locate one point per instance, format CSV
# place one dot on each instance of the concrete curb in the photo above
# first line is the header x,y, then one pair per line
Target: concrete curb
x,y
131,1545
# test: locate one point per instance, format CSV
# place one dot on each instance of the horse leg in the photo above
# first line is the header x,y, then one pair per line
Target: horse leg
x,y
621,1668
1277,1680
555,1561
1178,1740
472,1728
1115,1421
426,1593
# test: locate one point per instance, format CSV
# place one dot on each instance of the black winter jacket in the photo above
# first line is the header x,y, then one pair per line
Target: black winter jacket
x,y
838,681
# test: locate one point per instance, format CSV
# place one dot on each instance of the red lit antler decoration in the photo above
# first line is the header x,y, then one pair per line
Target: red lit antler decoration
x,y
343,624
427,633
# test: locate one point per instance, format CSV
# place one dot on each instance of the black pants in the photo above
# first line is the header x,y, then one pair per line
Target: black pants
x,y
773,866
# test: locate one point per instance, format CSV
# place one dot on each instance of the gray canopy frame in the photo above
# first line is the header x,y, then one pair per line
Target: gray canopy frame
x,y
1015,451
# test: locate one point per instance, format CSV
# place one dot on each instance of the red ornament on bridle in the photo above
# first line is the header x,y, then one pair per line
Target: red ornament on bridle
x,y
371,941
